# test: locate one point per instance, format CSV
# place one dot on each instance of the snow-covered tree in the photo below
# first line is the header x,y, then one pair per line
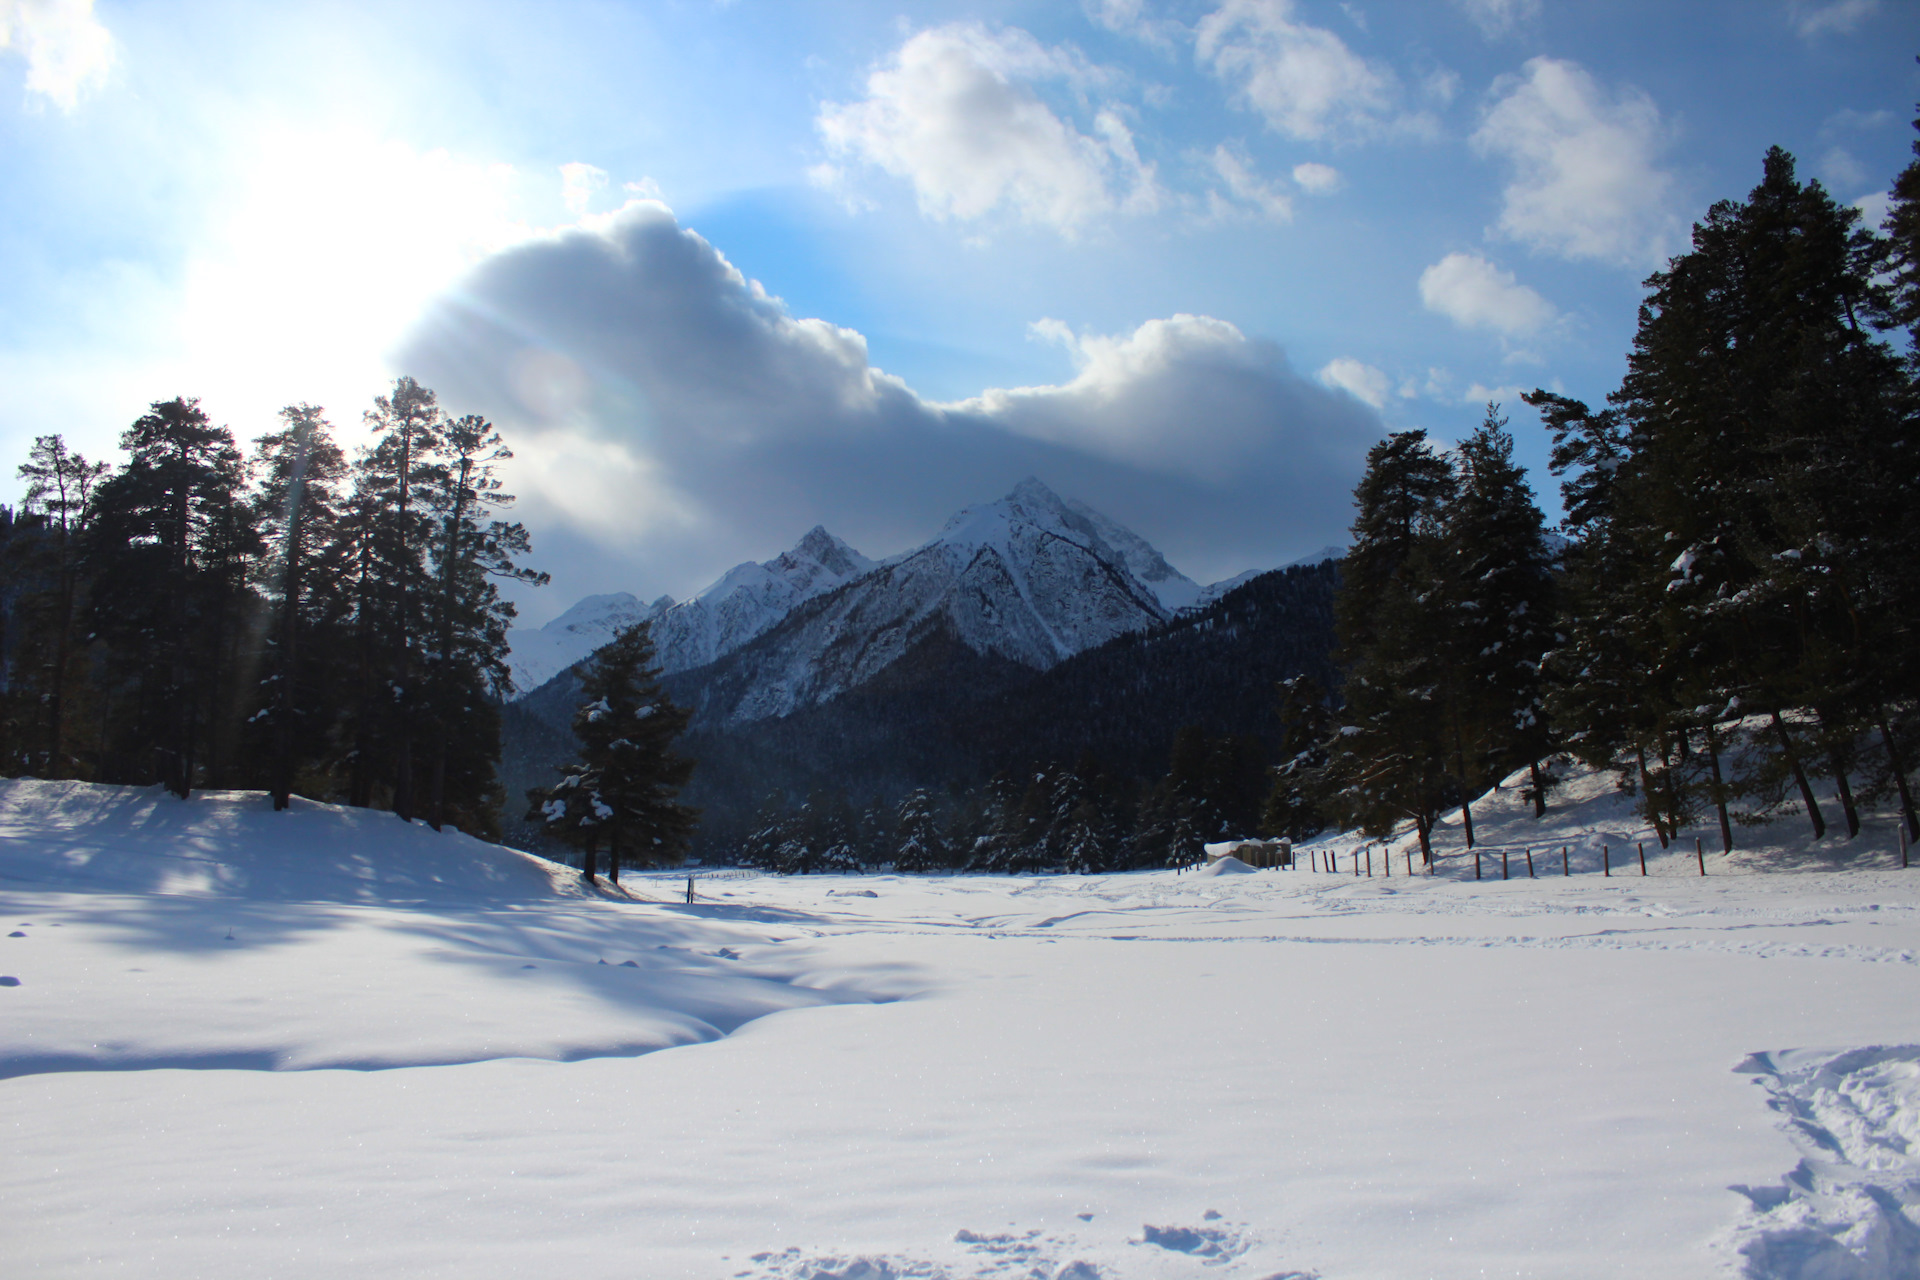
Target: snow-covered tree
x,y
623,790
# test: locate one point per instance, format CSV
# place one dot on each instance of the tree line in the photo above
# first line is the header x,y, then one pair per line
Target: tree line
x,y
288,619
1729,619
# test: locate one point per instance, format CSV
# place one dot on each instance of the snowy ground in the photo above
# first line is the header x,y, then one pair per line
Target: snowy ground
x,y
323,1043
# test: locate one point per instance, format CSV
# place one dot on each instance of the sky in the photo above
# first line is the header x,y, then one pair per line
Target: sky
x,y
722,271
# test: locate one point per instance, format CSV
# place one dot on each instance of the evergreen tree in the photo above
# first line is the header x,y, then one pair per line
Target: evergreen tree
x,y
622,792
1495,597
60,485
1389,760
167,550
1294,806
465,659
299,469
918,844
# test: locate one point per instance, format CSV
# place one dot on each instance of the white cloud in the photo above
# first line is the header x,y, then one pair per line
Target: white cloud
x,y
1134,18
1303,79
1481,394
1874,208
635,350
1317,179
1474,293
578,183
1840,16
1586,179
66,48
1246,191
1842,169
955,113
1361,381
1497,18
1190,394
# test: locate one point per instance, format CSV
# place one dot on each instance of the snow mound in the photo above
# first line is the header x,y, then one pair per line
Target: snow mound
x,y
1227,866
231,844
1848,1210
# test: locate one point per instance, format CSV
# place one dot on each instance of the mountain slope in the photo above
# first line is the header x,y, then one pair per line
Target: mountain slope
x,y
538,655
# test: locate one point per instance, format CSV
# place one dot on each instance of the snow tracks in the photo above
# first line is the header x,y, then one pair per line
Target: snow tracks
x,y
1848,1210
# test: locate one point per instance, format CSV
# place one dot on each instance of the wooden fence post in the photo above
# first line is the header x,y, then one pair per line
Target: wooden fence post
x,y
1643,857
1529,864
1903,852
1503,864
1369,862
1699,855
1476,864
1565,870
1903,844
1606,863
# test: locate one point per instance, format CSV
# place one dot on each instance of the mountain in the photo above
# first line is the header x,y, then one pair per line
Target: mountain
x,y
1030,579
751,598
538,655
946,716
748,599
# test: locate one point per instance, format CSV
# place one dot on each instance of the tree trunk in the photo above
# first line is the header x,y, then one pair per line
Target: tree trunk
x,y
1539,790
1800,777
1839,758
1650,797
1466,821
590,860
1719,792
613,858
1425,828
1899,776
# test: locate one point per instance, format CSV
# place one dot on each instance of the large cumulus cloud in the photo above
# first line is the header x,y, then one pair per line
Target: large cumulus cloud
x,y
672,419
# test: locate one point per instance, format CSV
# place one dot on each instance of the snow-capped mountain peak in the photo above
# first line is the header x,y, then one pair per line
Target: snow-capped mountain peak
x,y
1032,578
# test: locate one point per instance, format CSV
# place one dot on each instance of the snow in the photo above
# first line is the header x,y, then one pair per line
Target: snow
x,y
537,655
326,1042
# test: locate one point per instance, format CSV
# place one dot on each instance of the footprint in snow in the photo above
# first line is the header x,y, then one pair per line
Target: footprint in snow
x,y
9,981
16,934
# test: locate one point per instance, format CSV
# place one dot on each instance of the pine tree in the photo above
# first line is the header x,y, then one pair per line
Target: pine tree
x,y
465,657
60,485
918,844
299,469
1389,760
1495,593
1294,808
623,790
167,550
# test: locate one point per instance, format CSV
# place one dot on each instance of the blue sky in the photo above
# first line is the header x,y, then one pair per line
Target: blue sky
x,y
724,271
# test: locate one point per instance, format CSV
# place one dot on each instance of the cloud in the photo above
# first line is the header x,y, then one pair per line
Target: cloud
x,y
1361,381
1874,209
1839,17
1133,18
1586,180
1317,179
673,418
954,112
579,182
66,48
1474,293
1302,79
1246,191
1497,18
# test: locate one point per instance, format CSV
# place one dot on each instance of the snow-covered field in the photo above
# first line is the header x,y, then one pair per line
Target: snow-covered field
x,y
324,1043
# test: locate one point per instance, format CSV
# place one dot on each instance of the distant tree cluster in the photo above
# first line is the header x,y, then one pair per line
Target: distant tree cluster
x,y
1731,619
289,620
1071,819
